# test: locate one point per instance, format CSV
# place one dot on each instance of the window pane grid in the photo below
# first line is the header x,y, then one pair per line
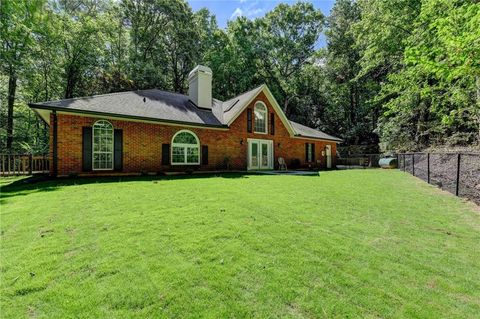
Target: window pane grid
x,y
185,148
260,121
102,145
192,154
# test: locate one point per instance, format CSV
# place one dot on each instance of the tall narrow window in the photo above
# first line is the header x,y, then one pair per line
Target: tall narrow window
x,y
185,148
102,145
260,122
309,152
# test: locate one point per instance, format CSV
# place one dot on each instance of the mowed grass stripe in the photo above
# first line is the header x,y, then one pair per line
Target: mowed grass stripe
x,y
358,243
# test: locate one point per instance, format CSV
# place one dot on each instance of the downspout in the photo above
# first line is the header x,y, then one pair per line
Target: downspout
x,y
55,151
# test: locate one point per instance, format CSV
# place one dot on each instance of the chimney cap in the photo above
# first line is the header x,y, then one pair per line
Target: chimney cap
x,y
200,68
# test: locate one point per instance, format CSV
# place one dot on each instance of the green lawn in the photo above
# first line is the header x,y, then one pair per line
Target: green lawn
x,y
357,243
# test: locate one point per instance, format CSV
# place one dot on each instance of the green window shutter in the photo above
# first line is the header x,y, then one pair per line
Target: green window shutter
x,y
272,123
204,154
313,152
249,120
165,154
118,150
306,153
86,149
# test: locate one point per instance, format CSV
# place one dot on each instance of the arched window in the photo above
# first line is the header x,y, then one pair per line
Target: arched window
x,y
260,123
185,148
102,145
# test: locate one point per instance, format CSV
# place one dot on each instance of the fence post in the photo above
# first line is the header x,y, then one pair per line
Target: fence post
x,y
404,163
428,168
458,174
413,164
30,164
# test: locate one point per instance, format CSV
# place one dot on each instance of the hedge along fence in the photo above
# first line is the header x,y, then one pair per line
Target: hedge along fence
x,y
457,173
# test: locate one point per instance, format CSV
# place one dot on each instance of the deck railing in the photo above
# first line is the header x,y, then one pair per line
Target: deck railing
x,y
23,164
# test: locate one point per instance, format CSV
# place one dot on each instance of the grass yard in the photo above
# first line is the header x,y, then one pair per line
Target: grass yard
x,y
357,243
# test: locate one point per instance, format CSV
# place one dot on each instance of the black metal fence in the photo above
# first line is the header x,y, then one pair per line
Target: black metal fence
x,y
358,160
457,173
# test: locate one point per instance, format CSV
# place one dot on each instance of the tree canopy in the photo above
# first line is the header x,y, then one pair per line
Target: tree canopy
x,y
395,74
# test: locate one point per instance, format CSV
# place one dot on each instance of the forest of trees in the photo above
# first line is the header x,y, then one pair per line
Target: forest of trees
x,y
400,74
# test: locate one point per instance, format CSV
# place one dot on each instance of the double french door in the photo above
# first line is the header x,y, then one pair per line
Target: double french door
x,y
260,154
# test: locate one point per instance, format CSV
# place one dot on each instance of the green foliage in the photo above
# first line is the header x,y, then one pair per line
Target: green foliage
x,y
286,39
20,20
402,73
349,108
434,97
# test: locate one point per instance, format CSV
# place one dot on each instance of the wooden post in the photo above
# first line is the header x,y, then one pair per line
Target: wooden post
x,y
30,164
55,146
458,174
413,164
404,163
428,168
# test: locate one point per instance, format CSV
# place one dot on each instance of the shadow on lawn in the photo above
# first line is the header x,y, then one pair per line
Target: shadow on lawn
x,y
36,184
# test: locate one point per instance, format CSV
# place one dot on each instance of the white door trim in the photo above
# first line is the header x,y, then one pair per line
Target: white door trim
x,y
328,155
260,142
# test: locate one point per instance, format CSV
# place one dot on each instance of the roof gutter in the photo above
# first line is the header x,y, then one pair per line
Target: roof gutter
x,y
133,117
318,138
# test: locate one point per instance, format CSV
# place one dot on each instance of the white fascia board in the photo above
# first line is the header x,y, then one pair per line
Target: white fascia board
x,y
275,105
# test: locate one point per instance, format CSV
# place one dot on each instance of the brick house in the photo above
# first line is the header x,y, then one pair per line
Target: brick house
x,y
151,131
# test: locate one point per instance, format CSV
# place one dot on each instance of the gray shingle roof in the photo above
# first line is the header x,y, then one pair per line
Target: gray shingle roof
x,y
167,106
233,106
149,104
306,131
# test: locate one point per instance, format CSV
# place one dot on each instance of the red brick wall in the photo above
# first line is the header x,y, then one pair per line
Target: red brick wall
x,y
142,144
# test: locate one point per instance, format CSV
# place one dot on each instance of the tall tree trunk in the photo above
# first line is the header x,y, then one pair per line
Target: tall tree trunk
x,y
70,84
351,113
12,89
285,107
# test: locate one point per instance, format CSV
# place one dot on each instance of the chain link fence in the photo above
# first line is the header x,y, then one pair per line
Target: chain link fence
x,y
358,160
457,173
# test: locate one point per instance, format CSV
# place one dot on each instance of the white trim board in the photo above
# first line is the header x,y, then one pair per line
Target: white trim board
x,y
273,103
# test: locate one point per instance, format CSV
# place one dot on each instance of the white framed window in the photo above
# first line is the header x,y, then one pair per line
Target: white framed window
x,y
260,121
185,148
102,154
